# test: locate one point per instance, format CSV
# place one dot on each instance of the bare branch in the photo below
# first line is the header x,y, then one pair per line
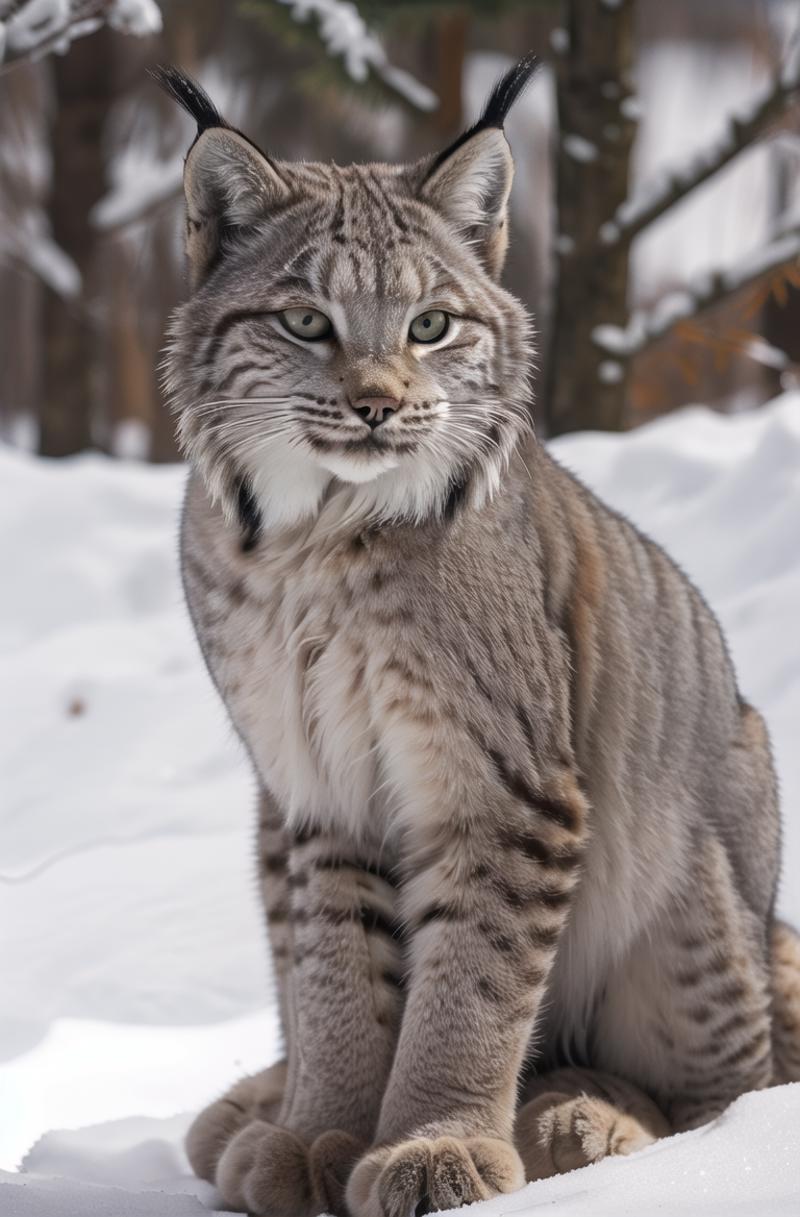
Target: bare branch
x,y
648,327
743,130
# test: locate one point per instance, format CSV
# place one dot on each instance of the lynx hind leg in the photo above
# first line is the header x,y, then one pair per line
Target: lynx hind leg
x,y
785,967
572,1117
257,1097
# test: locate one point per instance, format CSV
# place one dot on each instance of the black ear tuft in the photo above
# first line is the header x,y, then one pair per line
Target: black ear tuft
x,y
507,90
501,99
188,94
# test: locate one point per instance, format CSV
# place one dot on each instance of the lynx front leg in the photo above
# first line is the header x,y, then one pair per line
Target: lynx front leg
x,y
344,1004
487,904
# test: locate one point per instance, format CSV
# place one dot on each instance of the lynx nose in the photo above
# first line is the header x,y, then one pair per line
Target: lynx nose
x,y
375,410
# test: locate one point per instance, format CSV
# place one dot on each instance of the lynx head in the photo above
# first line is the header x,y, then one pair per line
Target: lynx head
x,y
347,333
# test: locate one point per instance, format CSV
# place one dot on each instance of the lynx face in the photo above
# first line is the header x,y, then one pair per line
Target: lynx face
x,y
347,330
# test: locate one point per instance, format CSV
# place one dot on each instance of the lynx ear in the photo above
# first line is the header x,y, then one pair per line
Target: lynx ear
x,y
469,183
471,188
229,184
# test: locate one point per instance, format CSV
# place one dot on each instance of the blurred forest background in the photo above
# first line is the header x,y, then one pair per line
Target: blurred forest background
x,y
656,207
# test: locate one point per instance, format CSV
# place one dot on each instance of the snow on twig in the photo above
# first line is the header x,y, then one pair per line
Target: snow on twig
x,y
743,129
30,29
346,36
648,326
137,17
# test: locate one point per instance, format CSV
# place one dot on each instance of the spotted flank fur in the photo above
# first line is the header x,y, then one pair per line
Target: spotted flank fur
x,y
518,835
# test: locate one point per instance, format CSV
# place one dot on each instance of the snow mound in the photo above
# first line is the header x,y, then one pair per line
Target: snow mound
x,y
39,1196
745,1163
129,918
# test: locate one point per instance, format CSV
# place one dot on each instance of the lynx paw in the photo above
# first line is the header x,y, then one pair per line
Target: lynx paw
x,y
255,1097
423,1176
555,1137
271,1172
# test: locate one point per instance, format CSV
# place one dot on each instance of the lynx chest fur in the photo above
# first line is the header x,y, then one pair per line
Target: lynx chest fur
x,y
308,643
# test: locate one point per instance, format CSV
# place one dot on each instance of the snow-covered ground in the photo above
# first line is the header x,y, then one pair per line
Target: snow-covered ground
x,y
135,982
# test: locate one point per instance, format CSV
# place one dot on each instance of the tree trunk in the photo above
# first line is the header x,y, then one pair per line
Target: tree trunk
x,y
82,82
584,388
452,29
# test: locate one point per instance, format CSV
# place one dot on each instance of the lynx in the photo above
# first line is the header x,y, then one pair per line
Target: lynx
x,y
518,830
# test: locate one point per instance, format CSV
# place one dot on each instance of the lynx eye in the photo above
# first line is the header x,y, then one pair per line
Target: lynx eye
x,y
307,323
429,327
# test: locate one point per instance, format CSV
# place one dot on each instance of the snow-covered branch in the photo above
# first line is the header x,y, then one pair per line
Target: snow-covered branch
x,y
345,34
30,29
30,248
743,130
648,326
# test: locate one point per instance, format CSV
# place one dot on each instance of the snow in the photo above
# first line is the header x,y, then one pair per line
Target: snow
x,y
766,354
129,920
610,372
138,17
611,338
631,108
579,149
744,1165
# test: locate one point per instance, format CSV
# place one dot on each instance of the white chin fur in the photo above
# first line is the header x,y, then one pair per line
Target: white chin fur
x,y
358,470
289,484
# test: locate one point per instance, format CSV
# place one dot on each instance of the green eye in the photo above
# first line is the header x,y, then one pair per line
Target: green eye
x,y
429,327
306,323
